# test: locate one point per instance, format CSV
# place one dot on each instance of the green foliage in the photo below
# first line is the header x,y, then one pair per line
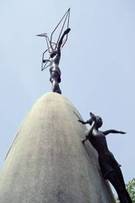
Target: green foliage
x,y
131,189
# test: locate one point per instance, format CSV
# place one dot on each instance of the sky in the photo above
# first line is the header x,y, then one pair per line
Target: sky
x,y
97,64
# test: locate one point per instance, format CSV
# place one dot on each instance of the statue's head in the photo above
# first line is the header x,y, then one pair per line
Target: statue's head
x,y
97,119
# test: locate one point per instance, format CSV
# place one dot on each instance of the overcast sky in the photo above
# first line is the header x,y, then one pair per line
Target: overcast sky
x,y
98,66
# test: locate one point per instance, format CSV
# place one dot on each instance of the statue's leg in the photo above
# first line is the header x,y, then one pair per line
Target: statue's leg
x,y
120,175
120,188
55,78
55,87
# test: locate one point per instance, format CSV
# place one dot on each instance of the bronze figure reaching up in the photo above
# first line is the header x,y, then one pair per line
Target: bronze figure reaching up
x,y
55,73
110,168
54,51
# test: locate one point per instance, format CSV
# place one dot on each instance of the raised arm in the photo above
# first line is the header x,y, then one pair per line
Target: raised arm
x,y
113,131
62,37
57,53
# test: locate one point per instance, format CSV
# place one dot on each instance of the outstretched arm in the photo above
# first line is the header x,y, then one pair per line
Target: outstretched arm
x,y
113,131
89,133
84,122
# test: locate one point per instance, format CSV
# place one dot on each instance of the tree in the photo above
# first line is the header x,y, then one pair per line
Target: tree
x,y
131,189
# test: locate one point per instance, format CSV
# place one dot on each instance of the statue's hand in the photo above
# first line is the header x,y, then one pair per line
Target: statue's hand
x,y
121,132
81,121
67,31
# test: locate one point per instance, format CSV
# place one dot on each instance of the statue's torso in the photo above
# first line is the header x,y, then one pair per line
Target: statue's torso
x,y
106,159
98,140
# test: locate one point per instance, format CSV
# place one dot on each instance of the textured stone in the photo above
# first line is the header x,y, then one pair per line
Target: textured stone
x,y
47,163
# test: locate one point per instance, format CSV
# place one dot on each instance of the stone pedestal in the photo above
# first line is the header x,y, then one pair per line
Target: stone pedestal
x,y
47,163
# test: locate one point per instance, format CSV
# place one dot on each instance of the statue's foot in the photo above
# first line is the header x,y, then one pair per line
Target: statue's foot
x,y
57,89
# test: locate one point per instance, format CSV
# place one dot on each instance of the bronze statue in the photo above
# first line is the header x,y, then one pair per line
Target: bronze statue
x,y
54,51
110,168
55,72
